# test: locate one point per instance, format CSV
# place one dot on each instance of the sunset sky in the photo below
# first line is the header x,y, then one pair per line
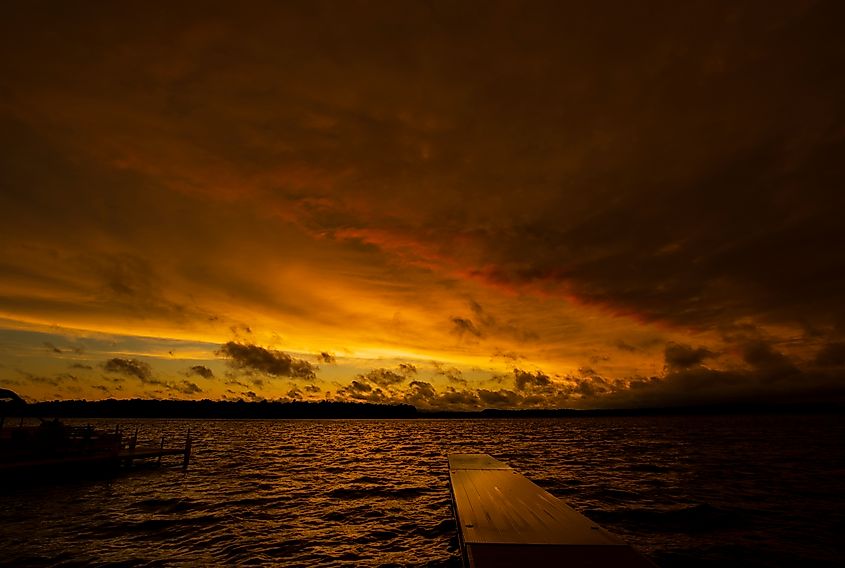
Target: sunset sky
x,y
456,205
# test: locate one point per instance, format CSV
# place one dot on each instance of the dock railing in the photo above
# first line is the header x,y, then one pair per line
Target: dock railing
x,y
134,452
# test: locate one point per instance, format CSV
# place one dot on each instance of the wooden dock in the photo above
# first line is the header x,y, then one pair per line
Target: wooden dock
x,y
133,452
157,453
506,520
57,449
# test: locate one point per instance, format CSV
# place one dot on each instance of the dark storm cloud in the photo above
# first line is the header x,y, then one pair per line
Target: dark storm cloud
x,y
507,355
678,357
142,371
326,357
501,398
831,355
271,362
484,324
202,371
454,398
422,389
361,391
129,367
490,324
624,346
701,386
311,389
763,181
52,347
64,380
462,326
483,317
686,382
185,387
599,358
240,395
525,380
67,377
407,369
423,395
770,377
81,366
384,377
593,386
359,387
380,385
387,378
134,285
452,374
764,358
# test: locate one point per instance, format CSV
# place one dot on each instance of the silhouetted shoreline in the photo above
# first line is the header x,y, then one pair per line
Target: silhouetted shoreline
x,y
208,409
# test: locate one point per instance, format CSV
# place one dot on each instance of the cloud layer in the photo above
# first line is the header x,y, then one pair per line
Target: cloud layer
x,y
626,209
270,362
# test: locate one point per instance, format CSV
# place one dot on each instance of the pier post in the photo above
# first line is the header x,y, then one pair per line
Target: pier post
x,y
187,451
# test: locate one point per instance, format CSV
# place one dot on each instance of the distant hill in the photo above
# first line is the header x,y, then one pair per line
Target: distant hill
x,y
143,408
209,409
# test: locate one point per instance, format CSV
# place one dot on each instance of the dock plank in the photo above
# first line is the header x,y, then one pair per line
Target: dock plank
x,y
475,461
505,520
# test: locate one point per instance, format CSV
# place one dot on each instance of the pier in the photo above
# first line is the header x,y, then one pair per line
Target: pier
x,y
54,449
504,519
129,455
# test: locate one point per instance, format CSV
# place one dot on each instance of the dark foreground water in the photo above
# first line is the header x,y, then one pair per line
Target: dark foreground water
x,y
699,491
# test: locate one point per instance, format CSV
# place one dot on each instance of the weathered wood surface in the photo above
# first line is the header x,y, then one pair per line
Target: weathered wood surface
x,y
506,520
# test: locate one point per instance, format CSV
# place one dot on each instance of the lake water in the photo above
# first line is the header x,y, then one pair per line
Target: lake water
x,y
686,491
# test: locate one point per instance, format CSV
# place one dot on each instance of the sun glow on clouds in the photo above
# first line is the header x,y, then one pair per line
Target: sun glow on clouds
x,y
642,224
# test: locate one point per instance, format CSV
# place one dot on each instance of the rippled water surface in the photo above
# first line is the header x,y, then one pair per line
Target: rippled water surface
x,y
695,491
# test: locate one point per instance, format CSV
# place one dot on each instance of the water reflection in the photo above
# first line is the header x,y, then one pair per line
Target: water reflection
x,y
708,491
